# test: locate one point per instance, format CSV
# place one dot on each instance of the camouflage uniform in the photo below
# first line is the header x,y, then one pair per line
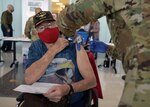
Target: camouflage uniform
x,y
30,30
129,23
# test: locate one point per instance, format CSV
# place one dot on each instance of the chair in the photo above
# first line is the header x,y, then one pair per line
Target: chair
x,y
20,100
97,89
90,96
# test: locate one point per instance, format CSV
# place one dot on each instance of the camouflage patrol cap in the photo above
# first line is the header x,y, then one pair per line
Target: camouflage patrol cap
x,y
42,17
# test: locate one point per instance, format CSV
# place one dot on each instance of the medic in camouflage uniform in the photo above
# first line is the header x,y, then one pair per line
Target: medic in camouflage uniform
x,y
129,23
30,30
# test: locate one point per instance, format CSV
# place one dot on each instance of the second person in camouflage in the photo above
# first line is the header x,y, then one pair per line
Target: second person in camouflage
x,y
30,30
129,23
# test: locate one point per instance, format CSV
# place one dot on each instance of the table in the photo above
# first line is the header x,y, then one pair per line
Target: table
x,y
14,40
0,49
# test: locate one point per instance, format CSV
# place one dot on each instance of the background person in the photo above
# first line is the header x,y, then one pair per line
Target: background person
x,y
30,30
6,26
95,29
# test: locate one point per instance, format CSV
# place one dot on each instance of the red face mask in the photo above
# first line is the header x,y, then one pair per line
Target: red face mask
x,y
49,35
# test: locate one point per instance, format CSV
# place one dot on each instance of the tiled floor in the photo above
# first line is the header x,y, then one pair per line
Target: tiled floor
x,y
112,84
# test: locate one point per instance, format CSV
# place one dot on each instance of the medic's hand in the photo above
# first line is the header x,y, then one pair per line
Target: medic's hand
x,y
98,46
59,45
56,93
8,30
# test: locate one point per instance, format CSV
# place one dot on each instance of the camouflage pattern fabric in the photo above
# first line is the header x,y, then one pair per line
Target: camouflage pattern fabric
x,y
30,30
129,24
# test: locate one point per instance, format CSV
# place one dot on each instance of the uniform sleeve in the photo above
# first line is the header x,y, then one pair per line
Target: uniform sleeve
x,y
81,13
28,28
5,20
84,11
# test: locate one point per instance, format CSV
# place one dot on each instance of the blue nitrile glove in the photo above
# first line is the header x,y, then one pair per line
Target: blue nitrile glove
x,y
98,46
79,42
84,35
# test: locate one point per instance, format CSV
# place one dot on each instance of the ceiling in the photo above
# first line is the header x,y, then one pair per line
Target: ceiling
x,y
56,8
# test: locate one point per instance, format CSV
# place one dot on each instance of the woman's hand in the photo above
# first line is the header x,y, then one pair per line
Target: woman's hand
x,y
56,93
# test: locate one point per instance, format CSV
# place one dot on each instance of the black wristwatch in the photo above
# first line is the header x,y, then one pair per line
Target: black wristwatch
x,y
71,89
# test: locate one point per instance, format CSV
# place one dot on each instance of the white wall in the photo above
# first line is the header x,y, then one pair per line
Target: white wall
x,y
104,30
72,1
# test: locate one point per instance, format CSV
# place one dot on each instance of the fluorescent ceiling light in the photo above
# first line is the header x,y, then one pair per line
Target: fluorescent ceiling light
x,y
55,0
59,3
63,6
